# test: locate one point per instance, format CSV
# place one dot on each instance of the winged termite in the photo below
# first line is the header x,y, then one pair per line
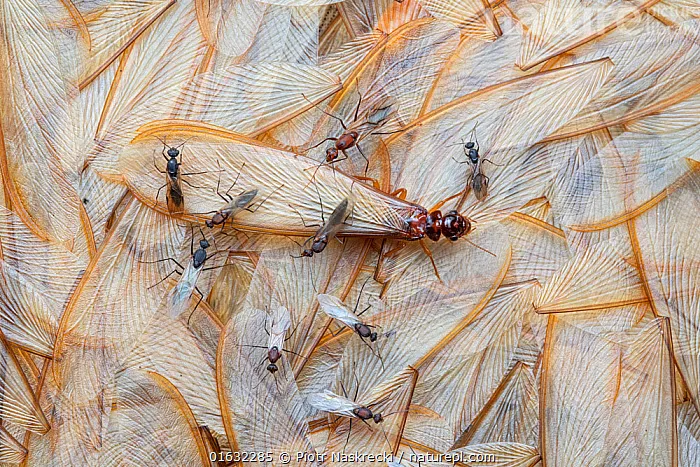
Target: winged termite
x,y
173,178
354,132
328,229
258,414
335,308
345,407
328,401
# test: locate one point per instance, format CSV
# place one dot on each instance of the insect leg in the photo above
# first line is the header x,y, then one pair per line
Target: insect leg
x,y
444,201
347,440
374,181
327,113
218,185
363,155
323,218
158,192
359,100
162,260
266,198
302,219
360,296
400,193
163,279
189,184
363,311
432,260
236,180
201,297
156,166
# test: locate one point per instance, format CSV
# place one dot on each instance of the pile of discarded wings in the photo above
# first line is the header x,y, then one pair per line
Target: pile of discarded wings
x,y
305,231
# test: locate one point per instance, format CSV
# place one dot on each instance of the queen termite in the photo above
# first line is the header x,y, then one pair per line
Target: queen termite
x,y
173,178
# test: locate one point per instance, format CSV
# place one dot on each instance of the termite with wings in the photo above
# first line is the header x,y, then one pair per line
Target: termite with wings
x,y
234,204
328,401
279,323
328,229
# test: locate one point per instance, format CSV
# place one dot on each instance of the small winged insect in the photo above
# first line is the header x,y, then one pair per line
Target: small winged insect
x,y
478,181
328,401
178,297
173,178
336,309
352,133
279,323
234,204
328,229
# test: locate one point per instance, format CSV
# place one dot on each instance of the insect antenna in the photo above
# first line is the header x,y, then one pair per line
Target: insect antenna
x,y
359,100
357,303
481,248
391,448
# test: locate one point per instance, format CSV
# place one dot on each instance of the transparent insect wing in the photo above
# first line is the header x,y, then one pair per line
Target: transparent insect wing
x,y
505,131
178,298
161,424
279,323
288,185
115,26
337,218
336,309
225,97
174,195
331,402
260,411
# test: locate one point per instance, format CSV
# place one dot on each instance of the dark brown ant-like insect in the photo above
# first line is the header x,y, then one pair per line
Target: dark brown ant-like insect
x,y
173,178
328,229
335,308
234,204
351,136
179,295
478,181
279,325
343,406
